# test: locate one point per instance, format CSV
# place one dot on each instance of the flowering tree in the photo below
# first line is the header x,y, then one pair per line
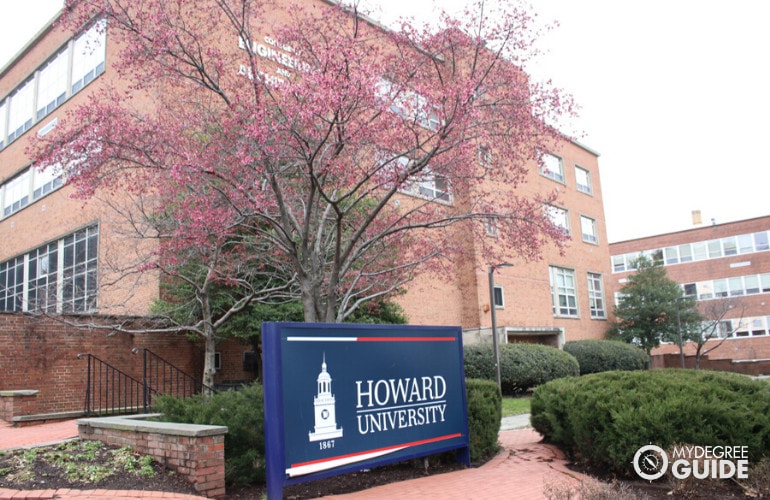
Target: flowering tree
x,y
348,154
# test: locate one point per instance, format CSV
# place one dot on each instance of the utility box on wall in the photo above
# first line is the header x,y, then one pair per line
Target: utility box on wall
x,y
341,398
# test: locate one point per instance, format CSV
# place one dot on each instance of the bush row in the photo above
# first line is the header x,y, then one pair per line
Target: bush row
x,y
522,366
596,356
242,411
603,418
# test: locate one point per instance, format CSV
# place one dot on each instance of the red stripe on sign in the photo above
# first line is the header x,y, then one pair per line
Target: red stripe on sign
x,y
405,445
406,339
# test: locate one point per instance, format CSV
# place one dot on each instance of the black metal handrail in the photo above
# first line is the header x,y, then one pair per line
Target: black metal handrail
x,y
161,377
110,391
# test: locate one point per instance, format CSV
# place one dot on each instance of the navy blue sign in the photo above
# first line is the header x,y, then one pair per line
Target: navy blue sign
x,y
341,398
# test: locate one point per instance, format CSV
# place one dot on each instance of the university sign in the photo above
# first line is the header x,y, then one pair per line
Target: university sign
x,y
341,398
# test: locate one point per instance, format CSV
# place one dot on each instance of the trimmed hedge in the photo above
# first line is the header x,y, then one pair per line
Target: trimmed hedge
x,y
241,411
603,418
522,366
596,356
485,410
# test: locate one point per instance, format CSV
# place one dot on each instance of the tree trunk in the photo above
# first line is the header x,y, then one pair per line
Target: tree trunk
x,y
210,342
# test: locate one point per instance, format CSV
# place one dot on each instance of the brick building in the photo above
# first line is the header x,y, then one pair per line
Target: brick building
x,y
58,253
727,267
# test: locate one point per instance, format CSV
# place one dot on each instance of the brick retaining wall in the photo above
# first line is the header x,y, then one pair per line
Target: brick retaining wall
x,y
196,452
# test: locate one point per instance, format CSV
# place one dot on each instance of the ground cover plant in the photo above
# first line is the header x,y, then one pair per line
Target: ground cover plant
x,y
86,465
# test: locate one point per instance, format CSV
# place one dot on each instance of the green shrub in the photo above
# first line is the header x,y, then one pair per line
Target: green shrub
x,y
242,411
603,418
484,414
522,366
596,356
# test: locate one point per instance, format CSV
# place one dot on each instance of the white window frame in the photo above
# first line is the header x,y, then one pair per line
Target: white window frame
x,y
485,155
564,294
586,187
589,223
559,217
596,301
552,167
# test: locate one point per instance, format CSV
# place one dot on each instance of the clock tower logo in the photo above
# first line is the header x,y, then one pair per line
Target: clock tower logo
x,y
324,403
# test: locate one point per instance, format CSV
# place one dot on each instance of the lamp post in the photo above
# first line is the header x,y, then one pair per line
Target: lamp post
x,y
495,343
679,330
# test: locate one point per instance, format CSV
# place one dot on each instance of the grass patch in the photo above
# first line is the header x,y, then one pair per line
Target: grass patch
x,y
516,406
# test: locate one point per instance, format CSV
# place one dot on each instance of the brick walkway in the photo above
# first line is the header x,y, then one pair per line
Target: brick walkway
x,y
524,469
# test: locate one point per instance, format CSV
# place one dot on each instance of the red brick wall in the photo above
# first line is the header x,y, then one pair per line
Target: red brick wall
x,y
723,365
41,354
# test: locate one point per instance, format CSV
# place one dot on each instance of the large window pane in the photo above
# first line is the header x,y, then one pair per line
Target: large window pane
x,y
52,84
552,167
88,56
20,111
760,240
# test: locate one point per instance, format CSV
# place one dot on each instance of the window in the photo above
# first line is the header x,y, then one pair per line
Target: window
x,y
720,288
490,226
656,256
42,280
596,296
20,110
588,228
52,85
20,192
563,291
690,290
671,255
67,72
552,167
434,186
59,276
485,156
12,284
715,249
88,56
699,251
760,239
3,117
736,286
752,284
685,253
79,270
559,217
497,291
43,182
583,180
745,243
217,360
618,263
765,279
729,246
16,193
705,290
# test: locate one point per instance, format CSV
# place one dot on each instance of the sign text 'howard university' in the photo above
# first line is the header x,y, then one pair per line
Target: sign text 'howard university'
x,y
341,398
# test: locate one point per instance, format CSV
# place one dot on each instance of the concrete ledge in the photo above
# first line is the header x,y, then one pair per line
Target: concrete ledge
x,y
22,392
42,418
139,423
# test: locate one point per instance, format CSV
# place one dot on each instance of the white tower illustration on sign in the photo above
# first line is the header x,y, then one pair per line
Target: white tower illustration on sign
x,y
325,419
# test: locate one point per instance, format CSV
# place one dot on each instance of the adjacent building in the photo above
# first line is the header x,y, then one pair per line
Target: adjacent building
x,y
57,252
727,268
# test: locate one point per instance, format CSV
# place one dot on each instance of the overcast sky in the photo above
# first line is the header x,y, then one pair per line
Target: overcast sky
x,y
674,95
